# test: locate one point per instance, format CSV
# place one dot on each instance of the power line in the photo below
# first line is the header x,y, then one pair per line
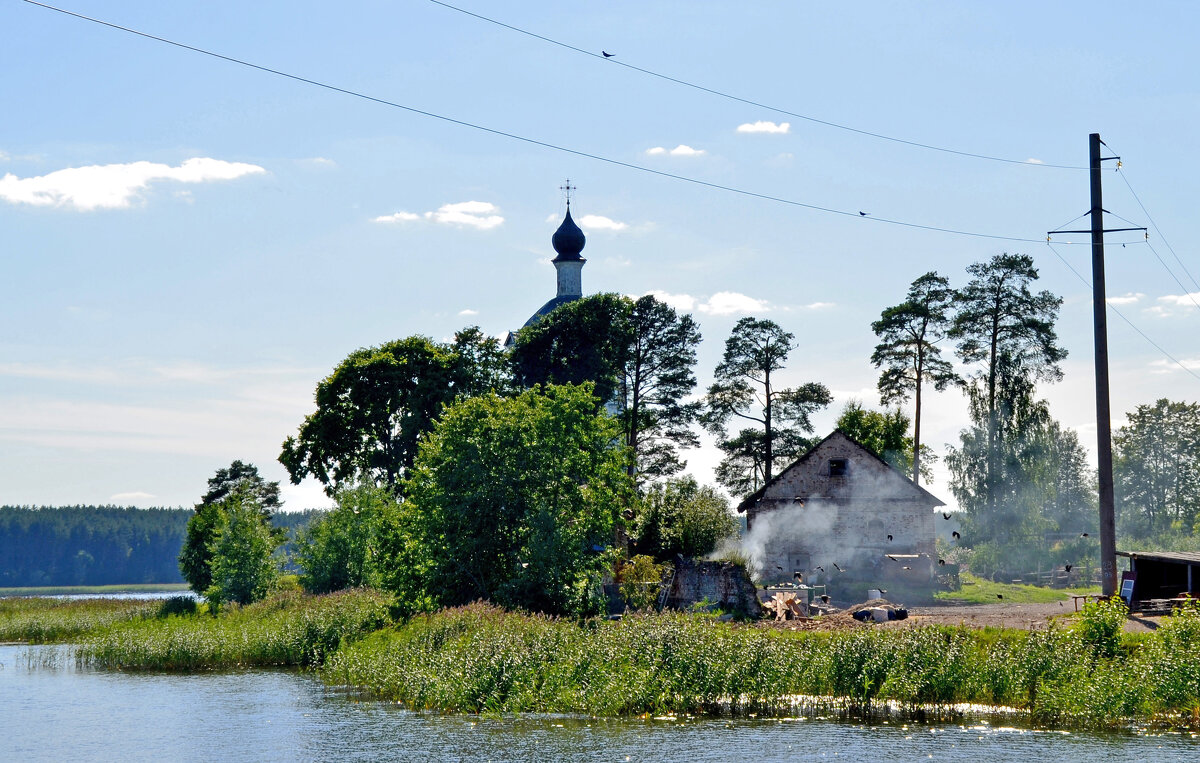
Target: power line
x,y
749,102
1120,314
1158,231
533,141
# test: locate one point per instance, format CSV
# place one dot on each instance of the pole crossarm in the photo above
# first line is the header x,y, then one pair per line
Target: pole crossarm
x,y
1089,230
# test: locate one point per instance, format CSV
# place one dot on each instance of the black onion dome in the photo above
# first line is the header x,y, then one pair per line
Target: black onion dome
x,y
568,240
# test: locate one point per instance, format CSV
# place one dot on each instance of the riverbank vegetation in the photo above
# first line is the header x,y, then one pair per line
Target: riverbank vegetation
x,y
484,659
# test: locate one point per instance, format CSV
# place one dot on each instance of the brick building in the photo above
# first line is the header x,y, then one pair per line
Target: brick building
x,y
843,517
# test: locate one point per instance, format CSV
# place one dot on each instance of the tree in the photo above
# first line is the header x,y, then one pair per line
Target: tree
x,y
1157,468
680,516
195,558
242,567
655,379
908,351
1007,331
345,547
885,434
744,389
516,500
375,406
638,354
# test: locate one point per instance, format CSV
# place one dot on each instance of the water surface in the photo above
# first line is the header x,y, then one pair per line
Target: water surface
x,y
52,710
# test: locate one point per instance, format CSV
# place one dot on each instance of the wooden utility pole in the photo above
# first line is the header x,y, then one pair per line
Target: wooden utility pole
x,y
1108,529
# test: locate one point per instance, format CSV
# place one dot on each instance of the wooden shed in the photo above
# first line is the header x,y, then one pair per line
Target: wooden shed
x,y
1162,575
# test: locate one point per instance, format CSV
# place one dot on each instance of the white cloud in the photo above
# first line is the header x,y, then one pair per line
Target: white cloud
x,y
3,156
732,303
1128,299
765,127
396,217
475,214
1034,161
683,302
1164,366
600,222
135,495
1181,300
114,186
320,161
468,311
680,150
820,305
721,303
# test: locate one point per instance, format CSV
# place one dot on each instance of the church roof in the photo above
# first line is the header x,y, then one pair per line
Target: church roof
x,y
547,308
568,240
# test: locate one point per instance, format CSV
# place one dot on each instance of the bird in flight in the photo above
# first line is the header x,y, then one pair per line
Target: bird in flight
x,y
889,537
999,596
1067,567
1083,535
607,54
836,567
955,535
894,559
942,561
945,515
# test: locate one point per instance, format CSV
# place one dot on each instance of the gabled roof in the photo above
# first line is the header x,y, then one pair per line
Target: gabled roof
x,y
919,491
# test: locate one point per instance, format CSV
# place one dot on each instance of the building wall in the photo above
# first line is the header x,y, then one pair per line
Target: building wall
x,y
807,519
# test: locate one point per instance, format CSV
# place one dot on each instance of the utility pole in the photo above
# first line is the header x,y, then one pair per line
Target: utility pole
x,y
1108,529
1108,526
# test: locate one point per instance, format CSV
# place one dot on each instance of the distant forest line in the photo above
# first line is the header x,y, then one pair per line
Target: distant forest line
x,y
100,545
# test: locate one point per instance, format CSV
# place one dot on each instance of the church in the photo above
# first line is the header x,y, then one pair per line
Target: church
x,y
568,242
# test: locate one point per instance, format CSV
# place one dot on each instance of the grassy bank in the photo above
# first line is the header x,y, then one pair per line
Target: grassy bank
x,y
76,590
484,659
976,590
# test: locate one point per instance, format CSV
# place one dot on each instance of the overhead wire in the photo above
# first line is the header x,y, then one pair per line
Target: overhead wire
x,y
533,141
1154,225
750,102
1122,316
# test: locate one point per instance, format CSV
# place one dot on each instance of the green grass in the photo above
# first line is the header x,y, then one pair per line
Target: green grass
x,y
93,589
979,591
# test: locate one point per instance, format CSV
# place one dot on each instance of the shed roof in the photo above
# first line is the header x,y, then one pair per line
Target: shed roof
x,y
1176,557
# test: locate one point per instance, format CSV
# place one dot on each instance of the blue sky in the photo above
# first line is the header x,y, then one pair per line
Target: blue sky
x,y
189,245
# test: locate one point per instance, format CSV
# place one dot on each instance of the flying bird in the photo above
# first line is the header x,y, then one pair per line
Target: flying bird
x,y
819,567
607,54
824,598
889,556
1083,535
941,561
778,567
955,535
889,538
999,596
1067,567
906,568
945,515
836,567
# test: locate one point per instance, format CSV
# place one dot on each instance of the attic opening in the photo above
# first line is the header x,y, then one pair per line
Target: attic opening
x,y
838,467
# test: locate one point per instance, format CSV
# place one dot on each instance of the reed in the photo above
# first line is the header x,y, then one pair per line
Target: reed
x,y
483,659
43,621
290,629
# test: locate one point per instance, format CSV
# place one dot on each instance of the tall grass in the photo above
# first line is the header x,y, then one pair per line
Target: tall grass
x,y
479,658
287,630
42,621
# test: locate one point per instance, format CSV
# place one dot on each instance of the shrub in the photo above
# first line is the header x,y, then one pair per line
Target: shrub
x,y
680,516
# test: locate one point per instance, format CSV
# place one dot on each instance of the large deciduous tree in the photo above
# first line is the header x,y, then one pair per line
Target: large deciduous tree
x,y
746,387
639,355
242,567
375,406
908,351
1006,332
1157,468
515,500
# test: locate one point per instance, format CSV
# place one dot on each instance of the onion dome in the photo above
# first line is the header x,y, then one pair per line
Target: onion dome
x,y
568,240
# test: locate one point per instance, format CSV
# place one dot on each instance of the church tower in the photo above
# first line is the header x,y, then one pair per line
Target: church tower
x,y
568,242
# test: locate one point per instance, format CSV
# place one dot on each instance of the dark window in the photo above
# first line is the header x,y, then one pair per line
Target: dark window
x,y
837,467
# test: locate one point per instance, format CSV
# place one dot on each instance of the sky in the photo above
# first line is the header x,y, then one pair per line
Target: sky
x,y
189,245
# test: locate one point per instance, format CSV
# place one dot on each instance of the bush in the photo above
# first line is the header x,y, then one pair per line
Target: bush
x,y
1101,626
680,516
344,548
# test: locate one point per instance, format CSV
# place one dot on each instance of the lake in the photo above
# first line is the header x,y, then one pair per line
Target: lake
x,y
52,710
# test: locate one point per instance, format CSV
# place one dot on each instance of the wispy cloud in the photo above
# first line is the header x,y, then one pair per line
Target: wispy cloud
x,y
818,306
1034,161
600,222
765,127
721,303
1130,298
468,311
680,150
1164,366
481,215
114,186
396,217
320,161
474,214
1174,304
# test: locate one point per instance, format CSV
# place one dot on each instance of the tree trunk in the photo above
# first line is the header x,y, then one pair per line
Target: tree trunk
x,y
916,473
